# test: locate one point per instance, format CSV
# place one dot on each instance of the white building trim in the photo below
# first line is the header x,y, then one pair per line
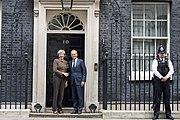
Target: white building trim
x,y
40,47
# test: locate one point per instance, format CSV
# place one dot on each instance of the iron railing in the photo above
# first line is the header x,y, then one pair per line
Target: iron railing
x,y
127,83
14,82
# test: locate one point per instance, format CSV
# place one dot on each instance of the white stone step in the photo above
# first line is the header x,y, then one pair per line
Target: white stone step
x,y
71,119
65,115
120,114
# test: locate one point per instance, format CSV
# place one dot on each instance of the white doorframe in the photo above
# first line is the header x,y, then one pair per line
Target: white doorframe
x,y
40,48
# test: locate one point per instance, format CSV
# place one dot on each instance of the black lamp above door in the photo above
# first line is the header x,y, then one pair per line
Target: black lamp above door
x,y
66,4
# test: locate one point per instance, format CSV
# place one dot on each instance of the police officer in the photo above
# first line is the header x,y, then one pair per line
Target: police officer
x,y
162,70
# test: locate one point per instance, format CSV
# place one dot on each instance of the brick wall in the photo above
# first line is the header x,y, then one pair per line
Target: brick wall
x,y
17,38
175,27
115,33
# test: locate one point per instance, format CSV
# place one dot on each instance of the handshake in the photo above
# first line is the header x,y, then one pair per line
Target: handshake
x,y
65,74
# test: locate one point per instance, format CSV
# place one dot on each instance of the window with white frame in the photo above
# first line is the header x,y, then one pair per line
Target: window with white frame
x,y
150,29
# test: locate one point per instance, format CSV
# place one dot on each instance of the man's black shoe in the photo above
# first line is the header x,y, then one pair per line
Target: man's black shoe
x,y
60,111
74,112
79,111
170,117
155,117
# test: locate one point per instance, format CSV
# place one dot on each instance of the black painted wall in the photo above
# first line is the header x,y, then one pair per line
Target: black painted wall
x,y
17,39
115,35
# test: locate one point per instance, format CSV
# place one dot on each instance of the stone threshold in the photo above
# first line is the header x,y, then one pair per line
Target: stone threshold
x,y
65,115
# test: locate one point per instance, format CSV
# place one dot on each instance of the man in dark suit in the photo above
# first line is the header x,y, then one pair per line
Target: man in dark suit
x,y
78,78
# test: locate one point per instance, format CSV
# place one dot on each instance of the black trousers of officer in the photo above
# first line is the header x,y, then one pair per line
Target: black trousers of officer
x,y
58,92
161,87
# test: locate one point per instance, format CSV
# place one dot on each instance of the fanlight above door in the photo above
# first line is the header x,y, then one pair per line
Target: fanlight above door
x,y
65,21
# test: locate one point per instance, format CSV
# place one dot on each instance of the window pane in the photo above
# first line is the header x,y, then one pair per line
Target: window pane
x,y
150,12
137,11
150,28
149,46
162,29
137,63
148,63
137,46
149,20
162,11
137,28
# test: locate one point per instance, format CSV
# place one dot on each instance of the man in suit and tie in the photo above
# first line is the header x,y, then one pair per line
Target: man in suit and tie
x,y
78,78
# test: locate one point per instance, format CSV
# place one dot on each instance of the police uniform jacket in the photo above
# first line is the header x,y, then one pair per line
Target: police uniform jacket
x,y
162,68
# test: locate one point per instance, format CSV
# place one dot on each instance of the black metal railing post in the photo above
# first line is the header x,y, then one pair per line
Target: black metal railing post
x,y
26,84
105,60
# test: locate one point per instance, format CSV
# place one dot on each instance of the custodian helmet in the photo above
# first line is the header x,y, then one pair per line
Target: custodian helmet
x,y
161,50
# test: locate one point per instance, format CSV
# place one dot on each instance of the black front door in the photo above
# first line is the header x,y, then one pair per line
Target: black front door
x,y
66,42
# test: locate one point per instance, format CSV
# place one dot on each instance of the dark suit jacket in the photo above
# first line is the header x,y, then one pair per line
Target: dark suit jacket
x,y
77,74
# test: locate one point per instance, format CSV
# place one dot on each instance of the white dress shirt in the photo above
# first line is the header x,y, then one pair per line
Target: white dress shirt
x,y
75,62
156,73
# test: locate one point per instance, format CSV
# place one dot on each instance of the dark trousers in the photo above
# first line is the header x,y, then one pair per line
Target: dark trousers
x,y
58,92
77,97
161,87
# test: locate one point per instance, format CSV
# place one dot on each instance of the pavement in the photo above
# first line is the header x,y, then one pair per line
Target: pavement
x,y
103,115
63,118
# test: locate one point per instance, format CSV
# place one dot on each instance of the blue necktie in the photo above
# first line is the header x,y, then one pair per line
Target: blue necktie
x,y
73,65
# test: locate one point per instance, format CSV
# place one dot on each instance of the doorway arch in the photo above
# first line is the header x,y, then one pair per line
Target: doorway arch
x,y
63,22
44,12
